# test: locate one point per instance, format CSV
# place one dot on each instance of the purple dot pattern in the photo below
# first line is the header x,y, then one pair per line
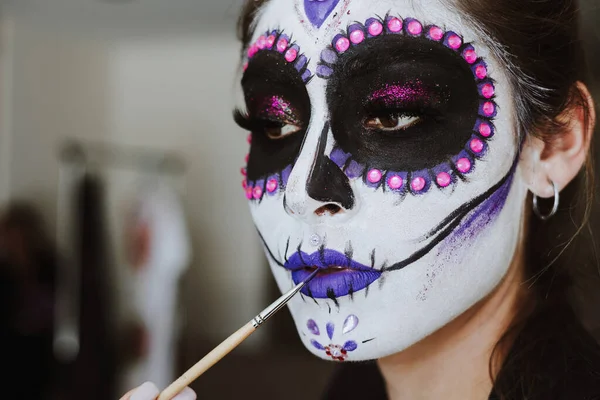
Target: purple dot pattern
x,y
275,41
335,351
459,166
281,43
270,186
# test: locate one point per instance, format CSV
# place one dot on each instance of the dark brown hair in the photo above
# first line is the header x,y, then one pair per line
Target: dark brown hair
x,y
546,353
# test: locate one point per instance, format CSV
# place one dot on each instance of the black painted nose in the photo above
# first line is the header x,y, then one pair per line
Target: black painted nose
x,y
327,183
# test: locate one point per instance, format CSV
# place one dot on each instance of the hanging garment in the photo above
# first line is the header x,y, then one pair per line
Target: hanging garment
x,y
159,252
93,372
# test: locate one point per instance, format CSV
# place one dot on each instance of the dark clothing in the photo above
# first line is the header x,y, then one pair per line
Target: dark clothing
x,y
363,381
26,325
566,365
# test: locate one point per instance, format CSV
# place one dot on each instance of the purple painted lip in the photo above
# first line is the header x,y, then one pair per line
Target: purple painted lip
x,y
339,275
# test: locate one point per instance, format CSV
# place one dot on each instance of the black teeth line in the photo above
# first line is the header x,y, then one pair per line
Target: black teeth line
x,y
367,291
268,249
328,306
456,172
351,291
311,295
263,188
368,340
349,252
287,246
383,266
302,297
373,259
322,255
331,295
450,223
381,281
300,255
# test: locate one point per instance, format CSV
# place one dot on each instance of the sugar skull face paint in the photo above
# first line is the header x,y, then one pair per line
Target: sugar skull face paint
x,y
393,171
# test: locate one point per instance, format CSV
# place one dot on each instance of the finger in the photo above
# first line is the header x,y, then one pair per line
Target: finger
x,y
186,394
147,391
127,395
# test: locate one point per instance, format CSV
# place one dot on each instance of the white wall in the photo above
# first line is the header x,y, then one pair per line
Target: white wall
x,y
167,92
6,69
59,90
176,93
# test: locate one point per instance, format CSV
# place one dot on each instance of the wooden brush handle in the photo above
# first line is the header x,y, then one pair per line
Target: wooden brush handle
x,y
208,361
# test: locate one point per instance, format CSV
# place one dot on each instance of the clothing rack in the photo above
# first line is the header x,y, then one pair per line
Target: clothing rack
x,y
118,156
75,158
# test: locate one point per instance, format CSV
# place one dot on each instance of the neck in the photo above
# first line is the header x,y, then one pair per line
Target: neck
x,y
453,363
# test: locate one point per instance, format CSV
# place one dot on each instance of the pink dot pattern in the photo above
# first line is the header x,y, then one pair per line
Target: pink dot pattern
x,y
395,182
476,145
279,42
436,33
272,185
485,129
470,56
481,72
454,41
282,44
261,43
489,108
463,165
418,184
415,27
488,91
395,25
357,36
375,28
342,44
443,179
291,55
374,176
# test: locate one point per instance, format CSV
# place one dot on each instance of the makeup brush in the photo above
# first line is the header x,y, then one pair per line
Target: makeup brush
x,y
230,343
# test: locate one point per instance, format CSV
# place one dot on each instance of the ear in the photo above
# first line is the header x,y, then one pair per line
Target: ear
x,y
560,159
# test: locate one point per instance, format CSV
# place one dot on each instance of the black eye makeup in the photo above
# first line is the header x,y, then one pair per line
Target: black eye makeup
x,y
411,106
278,111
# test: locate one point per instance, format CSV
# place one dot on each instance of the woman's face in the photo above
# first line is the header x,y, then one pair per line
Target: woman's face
x,y
383,154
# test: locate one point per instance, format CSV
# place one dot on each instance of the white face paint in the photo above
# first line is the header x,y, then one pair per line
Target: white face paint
x,y
389,164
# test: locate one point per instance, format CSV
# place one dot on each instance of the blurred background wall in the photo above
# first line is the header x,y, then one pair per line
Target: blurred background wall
x,y
146,74
160,75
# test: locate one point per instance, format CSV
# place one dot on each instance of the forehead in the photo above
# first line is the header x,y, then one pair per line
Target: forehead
x,y
299,18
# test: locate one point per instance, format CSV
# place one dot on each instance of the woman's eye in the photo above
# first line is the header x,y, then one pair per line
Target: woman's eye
x,y
280,131
391,122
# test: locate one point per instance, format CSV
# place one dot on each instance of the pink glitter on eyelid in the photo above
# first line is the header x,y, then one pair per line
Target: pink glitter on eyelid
x,y
393,92
277,106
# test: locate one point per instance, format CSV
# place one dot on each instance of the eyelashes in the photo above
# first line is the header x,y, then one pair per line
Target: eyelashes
x,y
269,127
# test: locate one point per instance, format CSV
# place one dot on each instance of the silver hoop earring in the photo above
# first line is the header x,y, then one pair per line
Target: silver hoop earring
x,y
536,209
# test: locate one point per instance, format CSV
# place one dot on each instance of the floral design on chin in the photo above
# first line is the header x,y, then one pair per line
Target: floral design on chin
x,y
337,352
